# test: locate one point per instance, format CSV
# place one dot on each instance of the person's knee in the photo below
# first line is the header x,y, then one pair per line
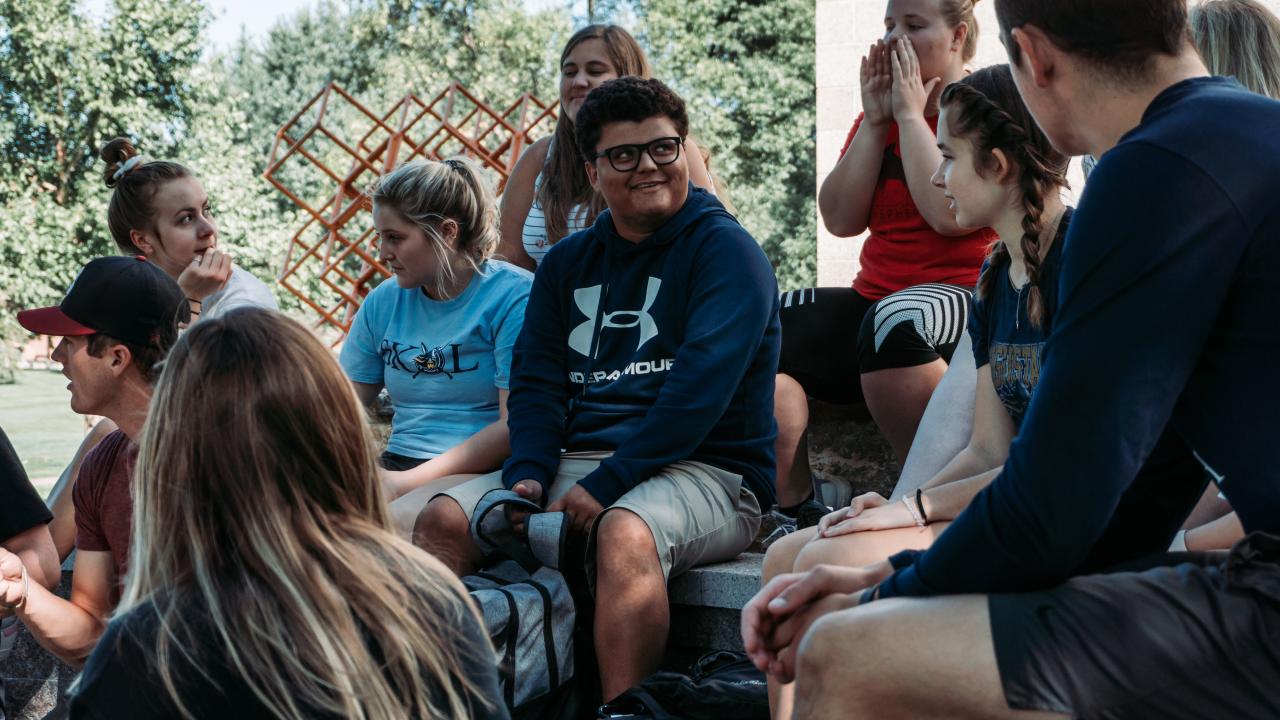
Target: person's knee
x,y
625,544
441,521
781,556
823,655
852,550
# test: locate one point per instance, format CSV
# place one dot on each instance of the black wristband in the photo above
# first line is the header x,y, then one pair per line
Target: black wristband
x,y
920,505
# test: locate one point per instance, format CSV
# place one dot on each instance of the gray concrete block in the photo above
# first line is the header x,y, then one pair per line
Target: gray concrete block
x,y
726,585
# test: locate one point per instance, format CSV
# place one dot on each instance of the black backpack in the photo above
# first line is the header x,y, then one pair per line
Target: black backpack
x,y
720,685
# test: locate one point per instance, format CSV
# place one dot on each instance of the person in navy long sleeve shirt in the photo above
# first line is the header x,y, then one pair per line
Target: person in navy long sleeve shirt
x,y
1164,350
641,398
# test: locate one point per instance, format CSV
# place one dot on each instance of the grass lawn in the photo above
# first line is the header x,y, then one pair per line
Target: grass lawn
x,y
36,414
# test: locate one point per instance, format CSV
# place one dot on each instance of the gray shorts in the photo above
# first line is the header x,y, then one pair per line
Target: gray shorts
x,y
1196,636
698,513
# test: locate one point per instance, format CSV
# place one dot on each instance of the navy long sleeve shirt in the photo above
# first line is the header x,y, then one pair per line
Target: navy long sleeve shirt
x,y
660,351
1168,326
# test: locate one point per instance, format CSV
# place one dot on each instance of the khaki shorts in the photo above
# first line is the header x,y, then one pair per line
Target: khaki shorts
x,y
698,513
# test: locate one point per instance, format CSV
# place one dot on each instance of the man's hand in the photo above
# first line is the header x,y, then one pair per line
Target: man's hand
x,y
772,619
856,508
13,582
580,506
529,490
207,274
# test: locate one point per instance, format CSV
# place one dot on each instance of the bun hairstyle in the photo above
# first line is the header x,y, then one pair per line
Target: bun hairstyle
x,y
986,109
427,193
134,181
961,11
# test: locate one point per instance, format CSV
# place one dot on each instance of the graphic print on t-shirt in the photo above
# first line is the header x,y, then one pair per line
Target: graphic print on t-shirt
x,y
1015,371
588,302
421,359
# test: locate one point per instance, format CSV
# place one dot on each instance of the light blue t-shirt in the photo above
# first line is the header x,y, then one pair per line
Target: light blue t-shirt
x,y
442,362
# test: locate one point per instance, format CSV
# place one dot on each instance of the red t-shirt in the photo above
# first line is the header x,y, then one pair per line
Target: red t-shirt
x,y
902,249
104,504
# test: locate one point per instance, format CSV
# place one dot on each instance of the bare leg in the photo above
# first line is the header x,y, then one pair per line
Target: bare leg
x,y
897,398
63,527
946,425
442,529
632,623
791,409
406,508
779,560
1210,507
917,658
864,548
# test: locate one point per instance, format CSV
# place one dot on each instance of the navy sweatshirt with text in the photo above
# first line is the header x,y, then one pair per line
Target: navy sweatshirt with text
x,y
1166,332
660,351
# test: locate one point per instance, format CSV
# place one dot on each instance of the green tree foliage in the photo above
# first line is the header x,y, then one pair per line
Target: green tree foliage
x,y
69,81
745,67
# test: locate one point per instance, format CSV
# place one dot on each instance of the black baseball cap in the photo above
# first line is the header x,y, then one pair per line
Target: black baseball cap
x,y
127,298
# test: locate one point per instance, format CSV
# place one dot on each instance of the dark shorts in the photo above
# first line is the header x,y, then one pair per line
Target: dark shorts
x,y
396,462
831,336
1196,635
913,327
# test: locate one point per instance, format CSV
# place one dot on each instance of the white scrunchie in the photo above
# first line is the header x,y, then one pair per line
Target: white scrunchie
x,y
126,166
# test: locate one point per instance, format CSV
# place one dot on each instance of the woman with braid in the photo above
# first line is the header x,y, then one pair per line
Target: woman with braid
x,y
998,170
862,343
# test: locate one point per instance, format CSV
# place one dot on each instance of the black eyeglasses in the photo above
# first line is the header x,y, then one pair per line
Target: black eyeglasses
x,y
625,158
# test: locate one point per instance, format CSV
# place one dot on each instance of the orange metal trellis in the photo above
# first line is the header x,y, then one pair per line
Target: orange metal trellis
x,y
332,150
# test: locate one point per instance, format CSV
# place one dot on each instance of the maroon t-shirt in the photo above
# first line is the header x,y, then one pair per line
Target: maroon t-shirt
x,y
104,504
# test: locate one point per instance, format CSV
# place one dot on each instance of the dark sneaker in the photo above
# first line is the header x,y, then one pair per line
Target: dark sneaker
x,y
810,514
807,515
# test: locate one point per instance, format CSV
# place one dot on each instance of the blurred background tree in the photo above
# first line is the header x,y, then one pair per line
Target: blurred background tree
x,y
71,79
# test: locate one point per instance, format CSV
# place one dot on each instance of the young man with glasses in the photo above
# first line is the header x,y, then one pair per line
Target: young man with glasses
x,y
647,356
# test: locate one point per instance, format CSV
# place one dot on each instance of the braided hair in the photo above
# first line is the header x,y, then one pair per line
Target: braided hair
x,y
986,109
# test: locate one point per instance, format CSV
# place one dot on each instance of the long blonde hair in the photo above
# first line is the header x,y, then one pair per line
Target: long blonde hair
x,y
1239,38
259,518
427,193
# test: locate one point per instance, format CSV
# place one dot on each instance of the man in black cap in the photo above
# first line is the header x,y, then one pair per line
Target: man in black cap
x,y
117,322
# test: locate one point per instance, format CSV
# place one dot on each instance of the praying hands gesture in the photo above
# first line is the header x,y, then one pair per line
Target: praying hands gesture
x,y
910,91
777,618
877,85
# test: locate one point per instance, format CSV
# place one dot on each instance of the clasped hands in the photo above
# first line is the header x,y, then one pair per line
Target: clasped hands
x,y
578,505
775,621
14,583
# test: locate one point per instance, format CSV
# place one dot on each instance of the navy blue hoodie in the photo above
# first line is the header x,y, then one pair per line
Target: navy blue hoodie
x,y
659,351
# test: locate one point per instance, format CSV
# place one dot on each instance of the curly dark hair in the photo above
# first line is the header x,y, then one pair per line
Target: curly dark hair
x,y
627,99
986,109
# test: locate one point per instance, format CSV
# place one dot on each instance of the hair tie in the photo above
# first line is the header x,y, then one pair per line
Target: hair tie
x,y
455,164
126,166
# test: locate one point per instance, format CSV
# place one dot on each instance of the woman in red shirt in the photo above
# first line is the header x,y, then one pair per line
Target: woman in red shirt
x,y
898,343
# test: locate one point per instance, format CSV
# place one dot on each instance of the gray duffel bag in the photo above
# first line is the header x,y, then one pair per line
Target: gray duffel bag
x,y
527,607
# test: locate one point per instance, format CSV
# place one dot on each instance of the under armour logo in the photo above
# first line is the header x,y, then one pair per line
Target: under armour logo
x,y
588,302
